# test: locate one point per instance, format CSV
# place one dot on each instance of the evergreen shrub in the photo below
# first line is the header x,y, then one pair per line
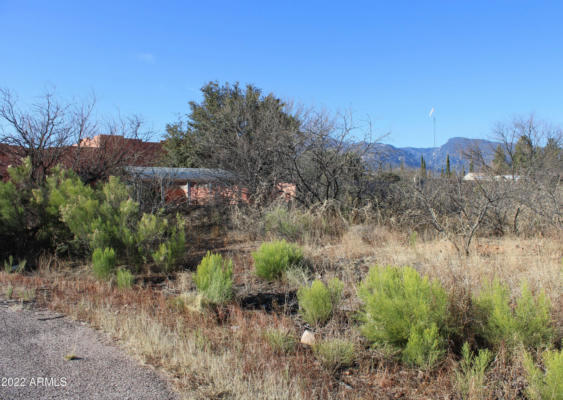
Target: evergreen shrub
x,y
405,312
272,259
214,278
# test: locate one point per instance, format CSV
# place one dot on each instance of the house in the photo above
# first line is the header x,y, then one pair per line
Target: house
x,y
474,176
97,157
199,186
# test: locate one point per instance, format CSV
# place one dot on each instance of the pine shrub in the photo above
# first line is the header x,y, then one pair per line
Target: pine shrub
x,y
406,312
124,278
546,385
214,278
470,375
318,302
529,323
103,262
274,258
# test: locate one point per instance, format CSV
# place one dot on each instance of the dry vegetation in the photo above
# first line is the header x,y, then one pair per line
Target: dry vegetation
x,y
225,351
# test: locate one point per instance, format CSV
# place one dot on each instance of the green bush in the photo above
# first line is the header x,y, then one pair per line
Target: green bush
x,y
63,214
103,262
274,258
406,312
546,385
124,278
533,319
335,353
283,223
108,216
170,251
280,341
318,302
529,323
214,278
470,376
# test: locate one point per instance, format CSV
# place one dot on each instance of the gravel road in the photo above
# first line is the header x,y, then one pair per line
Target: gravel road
x,y
33,346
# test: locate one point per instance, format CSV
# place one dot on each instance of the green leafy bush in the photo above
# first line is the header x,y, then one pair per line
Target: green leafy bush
x,y
280,341
406,312
335,353
318,302
103,262
214,278
124,278
274,258
529,323
546,385
470,376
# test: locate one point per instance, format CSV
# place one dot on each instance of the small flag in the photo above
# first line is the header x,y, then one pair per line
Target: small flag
x,y
431,112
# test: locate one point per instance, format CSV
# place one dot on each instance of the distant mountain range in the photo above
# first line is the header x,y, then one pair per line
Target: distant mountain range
x,y
435,157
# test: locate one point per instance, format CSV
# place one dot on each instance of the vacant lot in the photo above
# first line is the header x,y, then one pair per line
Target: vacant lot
x,y
249,347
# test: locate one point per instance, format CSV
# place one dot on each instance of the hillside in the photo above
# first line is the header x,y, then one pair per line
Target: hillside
x,y
435,157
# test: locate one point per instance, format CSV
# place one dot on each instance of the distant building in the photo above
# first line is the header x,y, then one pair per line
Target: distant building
x,y
475,176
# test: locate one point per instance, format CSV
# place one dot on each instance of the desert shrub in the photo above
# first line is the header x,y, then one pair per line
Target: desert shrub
x,y
529,323
404,311
214,278
274,258
533,318
280,341
546,385
335,353
67,216
103,262
470,376
318,302
26,225
10,267
284,223
424,347
170,251
124,278
109,217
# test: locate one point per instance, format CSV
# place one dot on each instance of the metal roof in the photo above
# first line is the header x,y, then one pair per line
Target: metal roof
x,y
181,175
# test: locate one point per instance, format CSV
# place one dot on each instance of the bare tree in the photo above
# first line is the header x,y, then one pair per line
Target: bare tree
x,y
45,131
327,158
124,143
50,132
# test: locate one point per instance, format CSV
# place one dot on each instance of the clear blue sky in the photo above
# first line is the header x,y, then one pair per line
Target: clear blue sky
x,y
476,62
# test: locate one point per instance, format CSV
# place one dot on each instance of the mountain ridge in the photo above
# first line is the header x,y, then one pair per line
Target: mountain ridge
x,y
382,155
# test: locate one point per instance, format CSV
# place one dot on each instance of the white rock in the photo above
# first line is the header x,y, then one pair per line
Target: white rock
x,y
308,338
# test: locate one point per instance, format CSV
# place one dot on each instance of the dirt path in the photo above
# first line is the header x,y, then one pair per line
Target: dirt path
x,y
33,346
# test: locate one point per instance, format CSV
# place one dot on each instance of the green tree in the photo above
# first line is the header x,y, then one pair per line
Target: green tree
x,y
180,147
524,154
422,166
500,165
552,155
237,129
448,169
